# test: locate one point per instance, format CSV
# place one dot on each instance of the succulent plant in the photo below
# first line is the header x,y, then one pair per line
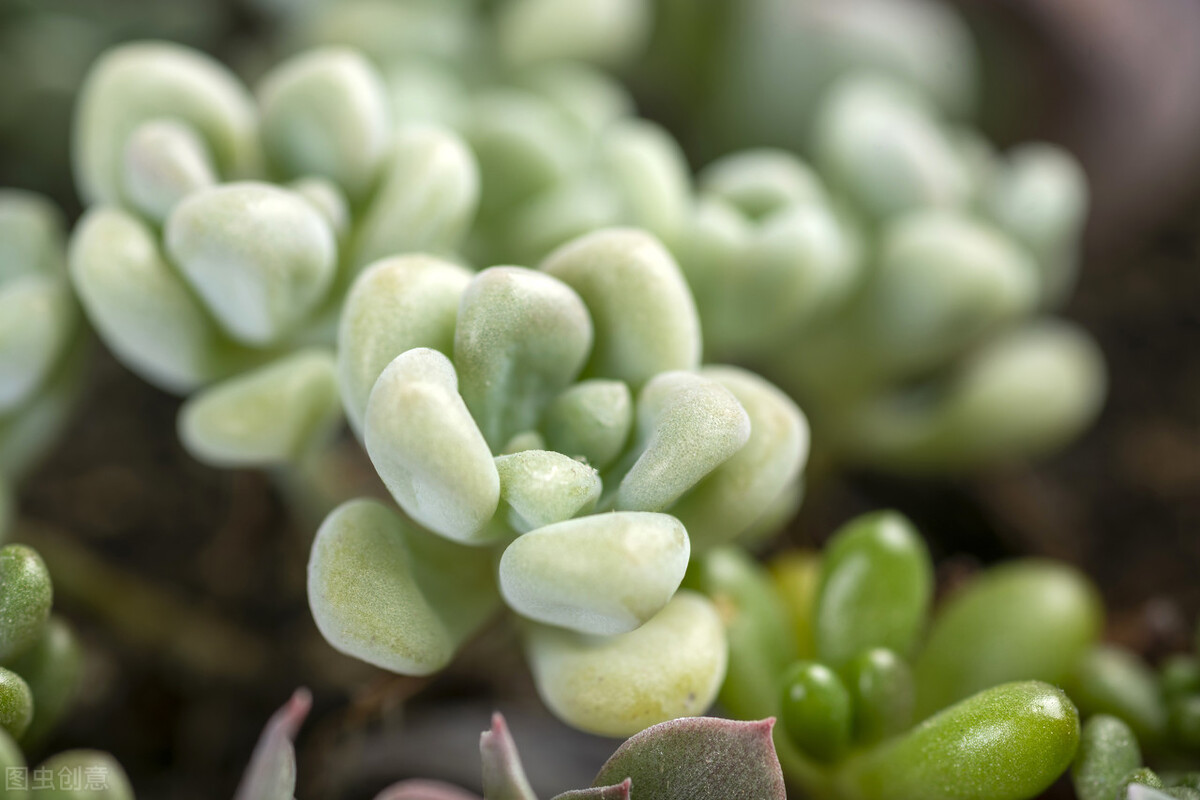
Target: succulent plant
x,y
224,229
1109,764
685,759
40,336
876,701
559,420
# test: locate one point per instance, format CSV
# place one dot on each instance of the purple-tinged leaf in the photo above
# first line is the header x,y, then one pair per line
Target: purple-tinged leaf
x,y
699,758
271,774
503,776
425,790
618,791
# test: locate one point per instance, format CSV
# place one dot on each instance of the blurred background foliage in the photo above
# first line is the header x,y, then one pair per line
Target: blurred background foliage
x,y
187,583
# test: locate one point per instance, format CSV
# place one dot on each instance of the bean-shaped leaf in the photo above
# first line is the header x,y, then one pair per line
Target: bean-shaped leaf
x,y
16,703
52,667
542,487
596,31
651,174
617,685
644,317
876,586
25,598
1113,680
1020,621
37,320
591,420
164,160
428,449
688,425
115,785
522,337
818,711
1006,743
1108,751
600,574
883,693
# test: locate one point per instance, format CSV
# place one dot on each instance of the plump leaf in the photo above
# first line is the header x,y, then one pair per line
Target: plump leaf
x,y
1108,751
699,759
619,791
16,703
164,161
272,415
881,688
687,426
818,712
52,667
522,337
427,448
395,305
1112,680
271,774
325,112
26,595
542,487
260,257
599,574
876,586
37,321
1021,621
111,782
591,421
394,596
1007,743
425,790
672,666
599,31
644,317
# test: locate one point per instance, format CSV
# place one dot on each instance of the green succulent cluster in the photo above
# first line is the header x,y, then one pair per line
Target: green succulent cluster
x,y
697,758
224,228
40,332
554,441
1109,765
881,699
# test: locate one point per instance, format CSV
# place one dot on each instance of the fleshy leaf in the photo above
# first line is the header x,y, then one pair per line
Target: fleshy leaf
x,y
426,197
52,667
761,181
817,711
688,425
428,449
522,337
37,319
503,776
164,160
392,595
394,306
735,494
1024,620
876,586
1007,743
670,667
651,174
325,112
618,791
259,256
271,774
600,574
16,703
25,598
542,487
271,415
644,317
700,758
1112,680
883,692
590,420
1108,751
598,31
114,786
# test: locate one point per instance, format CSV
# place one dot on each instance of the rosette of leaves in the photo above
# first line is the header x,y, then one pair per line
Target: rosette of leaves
x,y
937,350
40,336
553,440
224,228
879,701
698,758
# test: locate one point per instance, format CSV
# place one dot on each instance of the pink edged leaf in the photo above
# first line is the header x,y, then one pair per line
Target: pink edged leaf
x,y
699,758
618,791
271,774
425,790
503,776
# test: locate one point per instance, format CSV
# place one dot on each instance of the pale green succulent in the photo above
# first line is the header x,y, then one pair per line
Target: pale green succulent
x,y
557,443
224,229
40,336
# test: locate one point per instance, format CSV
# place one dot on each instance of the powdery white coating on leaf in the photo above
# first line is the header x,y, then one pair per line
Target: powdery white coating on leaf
x,y
670,667
271,774
37,320
605,32
699,758
427,448
271,415
260,257
760,181
688,425
163,161
601,574
1108,751
733,496
651,175
591,420
365,597
542,487
644,316
325,112
141,81
521,338
427,196
503,775
395,305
